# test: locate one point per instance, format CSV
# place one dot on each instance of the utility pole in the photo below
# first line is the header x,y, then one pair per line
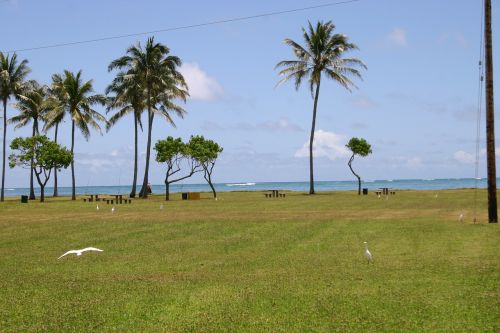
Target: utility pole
x,y
490,117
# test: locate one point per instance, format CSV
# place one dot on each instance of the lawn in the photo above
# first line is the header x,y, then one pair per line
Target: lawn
x,y
246,263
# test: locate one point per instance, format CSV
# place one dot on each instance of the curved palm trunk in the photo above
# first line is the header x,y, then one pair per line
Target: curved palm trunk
x,y
55,169
355,174
4,143
311,141
73,192
144,190
32,189
134,182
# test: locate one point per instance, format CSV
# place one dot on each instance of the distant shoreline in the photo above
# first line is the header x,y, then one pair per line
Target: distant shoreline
x,y
320,186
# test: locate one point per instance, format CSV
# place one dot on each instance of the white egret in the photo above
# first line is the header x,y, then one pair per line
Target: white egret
x,y
161,206
97,208
461,218
368,254
79,252
113,210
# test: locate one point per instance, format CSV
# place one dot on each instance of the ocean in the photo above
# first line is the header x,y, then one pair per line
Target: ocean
x,y
401,184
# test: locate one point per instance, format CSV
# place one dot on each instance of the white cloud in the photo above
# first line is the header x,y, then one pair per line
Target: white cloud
x,y
398,37
201,86
326,144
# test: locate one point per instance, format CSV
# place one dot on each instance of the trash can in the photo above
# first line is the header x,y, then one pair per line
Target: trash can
x,y
184,196
365,191
24,199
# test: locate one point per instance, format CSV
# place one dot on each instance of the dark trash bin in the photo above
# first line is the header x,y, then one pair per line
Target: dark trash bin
x,y
184,196
365,191
24,199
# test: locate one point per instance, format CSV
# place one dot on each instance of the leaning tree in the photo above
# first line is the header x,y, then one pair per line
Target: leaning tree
x,y
41,155
174,152
205,152
358,147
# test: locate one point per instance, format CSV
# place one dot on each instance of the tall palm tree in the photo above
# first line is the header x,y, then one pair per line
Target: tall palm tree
x,y
322,55
156,71
33,106
75,98
12,76
128,98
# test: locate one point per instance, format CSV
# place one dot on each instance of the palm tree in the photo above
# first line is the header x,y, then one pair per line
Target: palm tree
x,y
33,106
157,73
129,98
12,76
74,97
56,116
322,55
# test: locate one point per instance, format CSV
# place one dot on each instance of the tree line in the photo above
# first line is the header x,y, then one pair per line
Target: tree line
x,y
147,80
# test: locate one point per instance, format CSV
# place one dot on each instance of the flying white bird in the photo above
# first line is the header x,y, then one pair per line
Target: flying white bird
x,y
79,252
113,210
97,208
368,254
461,218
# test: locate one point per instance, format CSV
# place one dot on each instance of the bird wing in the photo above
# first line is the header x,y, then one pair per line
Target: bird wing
x,y
91,249
69,252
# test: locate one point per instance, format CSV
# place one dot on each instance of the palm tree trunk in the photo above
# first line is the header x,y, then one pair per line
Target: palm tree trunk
x,y
355,174
73,190
55,169
134,182
311,141
144,190
490,118
32,190
4,144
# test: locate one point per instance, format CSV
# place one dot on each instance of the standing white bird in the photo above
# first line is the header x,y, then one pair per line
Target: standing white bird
x,y
368,254
161,206
79,252
461,218
435,196
113,210
97,208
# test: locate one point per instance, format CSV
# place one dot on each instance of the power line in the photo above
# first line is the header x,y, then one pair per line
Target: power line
x,y
198,25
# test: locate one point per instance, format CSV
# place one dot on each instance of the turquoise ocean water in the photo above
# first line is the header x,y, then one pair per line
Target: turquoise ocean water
x,y
407,184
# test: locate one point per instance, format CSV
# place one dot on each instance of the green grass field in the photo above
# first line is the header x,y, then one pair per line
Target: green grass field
x,y
246,263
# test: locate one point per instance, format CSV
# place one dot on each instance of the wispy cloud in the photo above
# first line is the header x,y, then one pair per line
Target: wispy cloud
x,y
398,37
364,102
326,144
282,124
201,86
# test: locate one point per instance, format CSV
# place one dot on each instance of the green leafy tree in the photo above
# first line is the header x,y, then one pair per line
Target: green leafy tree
x,y
156,71
128,99
358,147
173,152
33,105
205,152
323,54
12,79
75,98
41,154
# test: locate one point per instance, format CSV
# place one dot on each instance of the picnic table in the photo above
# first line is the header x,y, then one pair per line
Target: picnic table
x,y
274,194
91,198
385,191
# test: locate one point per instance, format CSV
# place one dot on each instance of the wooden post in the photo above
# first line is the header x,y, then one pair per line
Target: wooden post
x,y
490,117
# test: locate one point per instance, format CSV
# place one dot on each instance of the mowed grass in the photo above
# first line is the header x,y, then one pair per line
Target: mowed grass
x,y
246,263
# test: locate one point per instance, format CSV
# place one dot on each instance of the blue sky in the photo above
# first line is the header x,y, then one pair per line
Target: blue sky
x,y
416,105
